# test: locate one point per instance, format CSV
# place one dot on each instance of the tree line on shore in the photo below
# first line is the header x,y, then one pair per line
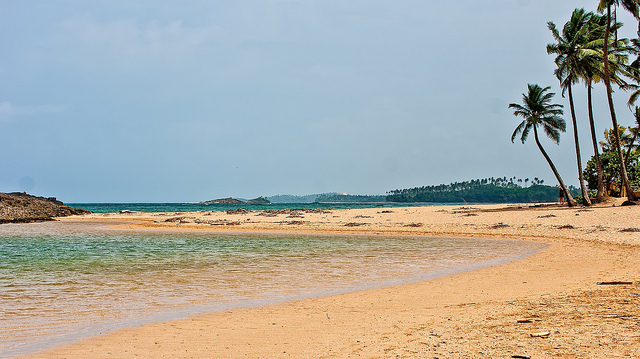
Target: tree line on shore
x,y
488,190
588,50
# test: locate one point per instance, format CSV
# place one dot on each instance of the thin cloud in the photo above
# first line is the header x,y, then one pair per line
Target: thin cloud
x,y
128,41
10,111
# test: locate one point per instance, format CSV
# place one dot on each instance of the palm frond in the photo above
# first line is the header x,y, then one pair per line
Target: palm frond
x,y
552,133
537,109
526,131
554,30
518,130
634,97
631,5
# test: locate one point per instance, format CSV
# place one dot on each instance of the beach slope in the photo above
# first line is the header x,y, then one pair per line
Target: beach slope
x,y
572,299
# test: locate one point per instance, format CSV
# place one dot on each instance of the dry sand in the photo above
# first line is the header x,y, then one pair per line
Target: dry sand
x,y
494,312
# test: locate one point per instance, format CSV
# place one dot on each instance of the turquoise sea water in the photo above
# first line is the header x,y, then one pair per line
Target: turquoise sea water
x,y
194,207
60,281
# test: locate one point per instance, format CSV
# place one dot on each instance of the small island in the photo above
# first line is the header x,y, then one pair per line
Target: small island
x,y
259,200
228,200
231,200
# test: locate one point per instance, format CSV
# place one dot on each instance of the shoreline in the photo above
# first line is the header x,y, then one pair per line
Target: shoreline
x,y
468,314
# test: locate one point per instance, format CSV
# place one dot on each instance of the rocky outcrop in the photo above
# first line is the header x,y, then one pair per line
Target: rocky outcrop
x,y
20,207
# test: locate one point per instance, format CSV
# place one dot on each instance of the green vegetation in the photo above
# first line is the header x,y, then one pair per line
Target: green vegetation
x,y
611,163
588,49
489,190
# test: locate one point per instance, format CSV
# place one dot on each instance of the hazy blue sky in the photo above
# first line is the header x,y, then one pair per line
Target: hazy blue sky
x,y
147,101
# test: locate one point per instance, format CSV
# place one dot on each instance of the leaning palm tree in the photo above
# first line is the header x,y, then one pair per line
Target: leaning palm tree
x,y
574,50
632,6
538,111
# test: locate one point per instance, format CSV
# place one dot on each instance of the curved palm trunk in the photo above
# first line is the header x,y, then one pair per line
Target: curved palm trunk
x,y
583,188
594,140
607,81
570,199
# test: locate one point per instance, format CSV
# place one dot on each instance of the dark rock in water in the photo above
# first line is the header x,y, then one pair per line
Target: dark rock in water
x,y
238,211
224,200
17,207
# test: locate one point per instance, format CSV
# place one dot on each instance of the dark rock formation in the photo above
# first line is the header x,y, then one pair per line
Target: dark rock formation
x,y
19,207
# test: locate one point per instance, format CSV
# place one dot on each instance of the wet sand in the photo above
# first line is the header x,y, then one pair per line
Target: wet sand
x,y
546,305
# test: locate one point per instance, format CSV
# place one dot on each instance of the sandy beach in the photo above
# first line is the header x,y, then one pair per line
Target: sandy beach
x,y
566,301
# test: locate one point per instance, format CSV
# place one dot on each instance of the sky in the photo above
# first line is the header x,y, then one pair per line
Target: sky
x,y
147,101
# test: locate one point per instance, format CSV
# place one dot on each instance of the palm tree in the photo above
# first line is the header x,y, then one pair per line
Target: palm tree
x,y
573,54
591,73
591,70
632,6
589,80
537,110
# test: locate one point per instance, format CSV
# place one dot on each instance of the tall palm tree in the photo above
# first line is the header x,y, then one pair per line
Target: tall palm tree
x,y
538,111
593,72
632,6
573,53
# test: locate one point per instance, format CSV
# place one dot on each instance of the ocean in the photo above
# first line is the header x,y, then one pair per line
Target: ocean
x,y
61,281
195,207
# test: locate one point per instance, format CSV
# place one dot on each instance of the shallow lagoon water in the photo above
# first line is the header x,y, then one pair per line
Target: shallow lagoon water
x,y
60,281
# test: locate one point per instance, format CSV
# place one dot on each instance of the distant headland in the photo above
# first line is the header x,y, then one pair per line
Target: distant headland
x,y
487,190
